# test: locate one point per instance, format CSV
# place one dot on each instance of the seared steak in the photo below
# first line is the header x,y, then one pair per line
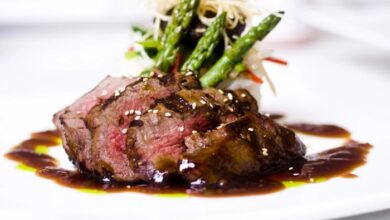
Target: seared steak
x,y
93,128
156,140
70,122
149,128
251,145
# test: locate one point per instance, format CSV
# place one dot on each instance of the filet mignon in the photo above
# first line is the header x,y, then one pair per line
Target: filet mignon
x,y
148,128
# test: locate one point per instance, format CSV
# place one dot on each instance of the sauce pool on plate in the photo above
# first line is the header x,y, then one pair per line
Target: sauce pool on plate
x,y
336,162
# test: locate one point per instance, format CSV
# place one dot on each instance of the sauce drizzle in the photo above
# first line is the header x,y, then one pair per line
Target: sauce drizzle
x,y
336,162
322,130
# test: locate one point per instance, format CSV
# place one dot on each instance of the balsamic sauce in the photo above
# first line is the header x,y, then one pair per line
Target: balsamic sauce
x,y
322,130
336,162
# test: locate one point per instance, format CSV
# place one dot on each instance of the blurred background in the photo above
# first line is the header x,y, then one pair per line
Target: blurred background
x,y
57,49
56,39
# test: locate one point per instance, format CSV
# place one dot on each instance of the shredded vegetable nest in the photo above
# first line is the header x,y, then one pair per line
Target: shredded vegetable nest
x,y
237,10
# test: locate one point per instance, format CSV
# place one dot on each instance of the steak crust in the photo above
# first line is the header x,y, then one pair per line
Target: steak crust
x,y
146,129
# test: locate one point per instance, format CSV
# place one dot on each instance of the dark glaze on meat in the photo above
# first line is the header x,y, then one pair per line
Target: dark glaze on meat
x,y
252,145
337,162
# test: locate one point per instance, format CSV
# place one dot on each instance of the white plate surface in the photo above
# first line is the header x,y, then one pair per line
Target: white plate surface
x,y
330,81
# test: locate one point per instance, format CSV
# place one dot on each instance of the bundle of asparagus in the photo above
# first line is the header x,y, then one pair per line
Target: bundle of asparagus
x,y
169,45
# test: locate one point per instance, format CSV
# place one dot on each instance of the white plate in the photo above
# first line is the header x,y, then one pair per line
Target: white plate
x,y
329,81
362,20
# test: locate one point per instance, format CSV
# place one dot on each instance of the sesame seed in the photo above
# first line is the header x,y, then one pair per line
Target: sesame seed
x,y
225,100
160,75
122,89
198,182
128,186
181,128
243,95
168,114
203,101
231,109
295,174
194,132
194,105
230,96
152,73
200,30
131,111
185,164
155,111
124,131
264,151
220,126
137,117
220,91
290,168
137,112
149,110
250,129
158,176
104,92
117,93
222,182
127,112
189,73
211,105
145,79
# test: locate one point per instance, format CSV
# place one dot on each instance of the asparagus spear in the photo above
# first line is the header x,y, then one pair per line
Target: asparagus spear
x,y
206,44
236,53
181,19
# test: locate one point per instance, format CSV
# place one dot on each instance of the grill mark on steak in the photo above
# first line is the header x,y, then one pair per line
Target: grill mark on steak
x,y
136,123
175,103
112,98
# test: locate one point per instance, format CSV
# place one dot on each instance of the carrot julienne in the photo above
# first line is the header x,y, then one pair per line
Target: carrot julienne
x,y
276,60
254,77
